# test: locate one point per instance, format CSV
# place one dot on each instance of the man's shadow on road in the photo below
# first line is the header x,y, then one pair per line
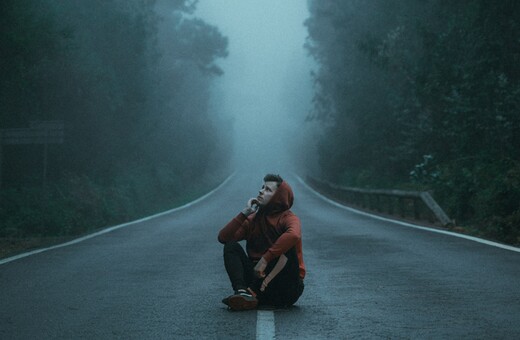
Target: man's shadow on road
x,y
293,308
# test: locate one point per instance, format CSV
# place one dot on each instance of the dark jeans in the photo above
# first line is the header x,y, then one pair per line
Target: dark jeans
x,y
283,290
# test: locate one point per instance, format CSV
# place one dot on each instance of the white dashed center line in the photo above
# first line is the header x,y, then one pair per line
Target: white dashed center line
x,y
265,325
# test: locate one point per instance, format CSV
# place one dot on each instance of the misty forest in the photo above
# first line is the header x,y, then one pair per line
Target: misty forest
x,y
131,88
106,115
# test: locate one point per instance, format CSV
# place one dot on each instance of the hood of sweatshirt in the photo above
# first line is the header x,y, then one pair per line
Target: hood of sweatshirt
x,y
281,200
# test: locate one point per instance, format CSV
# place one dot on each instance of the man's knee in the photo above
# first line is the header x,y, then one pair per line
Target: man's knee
x,y
231,247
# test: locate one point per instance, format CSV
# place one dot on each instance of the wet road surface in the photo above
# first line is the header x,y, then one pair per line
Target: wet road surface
x,y
163,278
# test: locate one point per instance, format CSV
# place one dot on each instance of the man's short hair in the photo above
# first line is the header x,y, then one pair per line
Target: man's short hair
x,y
273,178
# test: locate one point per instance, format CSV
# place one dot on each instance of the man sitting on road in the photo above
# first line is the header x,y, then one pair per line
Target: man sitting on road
x,y
272,272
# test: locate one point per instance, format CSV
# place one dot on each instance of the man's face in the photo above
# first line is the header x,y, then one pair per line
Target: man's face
x,y
267,191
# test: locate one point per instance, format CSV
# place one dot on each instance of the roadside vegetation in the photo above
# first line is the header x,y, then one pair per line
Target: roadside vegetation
x,y
423,95
129,83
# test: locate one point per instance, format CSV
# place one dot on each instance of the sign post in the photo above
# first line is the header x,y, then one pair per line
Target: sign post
x,y
1,159
39,132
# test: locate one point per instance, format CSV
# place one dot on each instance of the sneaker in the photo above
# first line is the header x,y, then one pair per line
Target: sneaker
x,y
241,300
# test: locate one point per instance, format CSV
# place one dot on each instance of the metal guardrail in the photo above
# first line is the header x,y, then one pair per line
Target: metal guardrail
x,y
416,205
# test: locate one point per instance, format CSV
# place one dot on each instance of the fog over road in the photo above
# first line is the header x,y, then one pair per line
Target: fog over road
x,y
163,278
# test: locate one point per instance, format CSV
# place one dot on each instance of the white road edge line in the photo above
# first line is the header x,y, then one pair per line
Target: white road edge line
x,y
471,238
110,229
265,329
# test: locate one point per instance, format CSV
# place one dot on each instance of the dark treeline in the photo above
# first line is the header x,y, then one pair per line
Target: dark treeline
x,y
423,95
130,79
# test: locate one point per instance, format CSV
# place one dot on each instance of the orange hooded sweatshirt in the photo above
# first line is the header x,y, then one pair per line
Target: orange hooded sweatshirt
x,y
271,231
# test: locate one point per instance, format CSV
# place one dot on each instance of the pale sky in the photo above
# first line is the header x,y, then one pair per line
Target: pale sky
x,y
266,87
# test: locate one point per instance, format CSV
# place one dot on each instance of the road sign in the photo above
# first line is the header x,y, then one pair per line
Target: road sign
x,y
31,136
39,132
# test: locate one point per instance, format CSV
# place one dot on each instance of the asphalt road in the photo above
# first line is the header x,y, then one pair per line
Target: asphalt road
x,y
163,278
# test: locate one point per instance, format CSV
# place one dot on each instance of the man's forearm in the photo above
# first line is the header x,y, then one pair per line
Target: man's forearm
x,y
285,242
229,231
